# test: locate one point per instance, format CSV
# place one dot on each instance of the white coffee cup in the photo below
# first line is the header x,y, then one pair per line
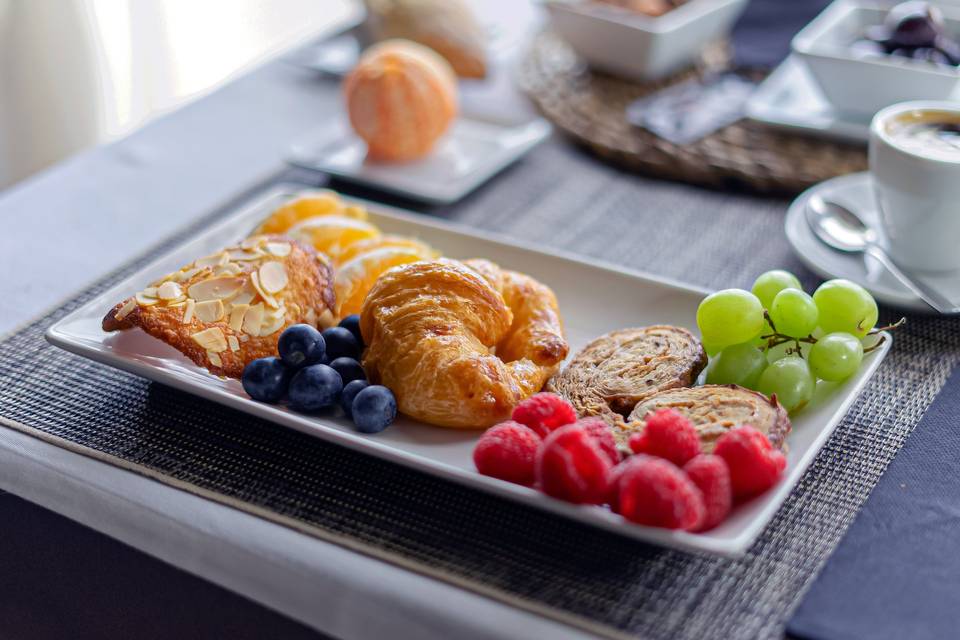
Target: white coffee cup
x,y
917,187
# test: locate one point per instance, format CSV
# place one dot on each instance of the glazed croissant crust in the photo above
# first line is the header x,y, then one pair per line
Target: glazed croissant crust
x,y
460,345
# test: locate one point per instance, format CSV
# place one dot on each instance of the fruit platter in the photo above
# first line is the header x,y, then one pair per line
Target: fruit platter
x,y
621,400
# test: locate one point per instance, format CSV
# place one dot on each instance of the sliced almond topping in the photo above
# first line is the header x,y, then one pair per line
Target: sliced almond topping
x,y
252,242
209,310
267,298
215,288
234,343
311,316
211,339
125,310
245,295
252,319
188,312
186,274
229,269
144,301
279,249
236,316
273,276
214,359
272,324
214,260
150,292
244,337
169,291
242,255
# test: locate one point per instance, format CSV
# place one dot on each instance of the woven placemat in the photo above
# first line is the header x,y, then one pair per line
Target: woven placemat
x,y
596,580
590,108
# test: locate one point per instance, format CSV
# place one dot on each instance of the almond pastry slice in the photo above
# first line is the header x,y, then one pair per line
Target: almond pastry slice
x,y
223,314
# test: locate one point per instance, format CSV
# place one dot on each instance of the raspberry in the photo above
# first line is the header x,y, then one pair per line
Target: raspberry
x,y
754,464
667,435
544,412
712,476
602,434
572,466
508,451
655,492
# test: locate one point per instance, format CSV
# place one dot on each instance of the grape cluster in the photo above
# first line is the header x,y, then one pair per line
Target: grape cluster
x,y
779,340
914,30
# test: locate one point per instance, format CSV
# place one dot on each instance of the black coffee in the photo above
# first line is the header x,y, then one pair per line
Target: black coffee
x,y
927,132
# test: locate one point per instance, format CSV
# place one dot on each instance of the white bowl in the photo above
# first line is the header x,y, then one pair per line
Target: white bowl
x,y
867,84
637,46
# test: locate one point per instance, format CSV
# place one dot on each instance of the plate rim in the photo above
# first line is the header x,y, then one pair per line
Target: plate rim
x,y
733,546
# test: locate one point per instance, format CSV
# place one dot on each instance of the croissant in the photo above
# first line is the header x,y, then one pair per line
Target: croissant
x,y
225,310
460,346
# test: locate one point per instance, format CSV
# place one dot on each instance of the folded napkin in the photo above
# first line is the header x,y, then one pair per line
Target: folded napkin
x,y
896,573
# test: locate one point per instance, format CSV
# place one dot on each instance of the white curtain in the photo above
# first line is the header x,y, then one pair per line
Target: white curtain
x,y
77,72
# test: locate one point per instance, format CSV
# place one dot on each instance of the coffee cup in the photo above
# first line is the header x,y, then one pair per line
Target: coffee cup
x,y
915,163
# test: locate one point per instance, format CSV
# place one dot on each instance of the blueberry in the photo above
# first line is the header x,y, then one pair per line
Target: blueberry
x,y
315,387
349,393
374,409
301,345
265,379
341,343
352,324
349,369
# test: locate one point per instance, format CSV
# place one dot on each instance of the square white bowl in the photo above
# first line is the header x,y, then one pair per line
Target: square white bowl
x,y
867,84
642,47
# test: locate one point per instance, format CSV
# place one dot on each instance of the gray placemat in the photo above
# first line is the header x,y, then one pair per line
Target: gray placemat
x,y
536,560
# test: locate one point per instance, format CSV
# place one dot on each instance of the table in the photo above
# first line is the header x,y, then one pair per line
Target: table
x,y
147,186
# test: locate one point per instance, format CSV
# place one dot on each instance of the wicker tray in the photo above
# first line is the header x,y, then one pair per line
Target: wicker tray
x,y
590,108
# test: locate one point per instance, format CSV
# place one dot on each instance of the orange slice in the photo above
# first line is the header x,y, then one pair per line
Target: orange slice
x,y
332,234
355,277
365,246
309,205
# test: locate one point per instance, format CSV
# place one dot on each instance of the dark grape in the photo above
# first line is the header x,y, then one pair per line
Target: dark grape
x,y
914,24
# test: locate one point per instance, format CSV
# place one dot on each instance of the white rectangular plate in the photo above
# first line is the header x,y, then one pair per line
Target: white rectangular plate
x,y
469,154
594,299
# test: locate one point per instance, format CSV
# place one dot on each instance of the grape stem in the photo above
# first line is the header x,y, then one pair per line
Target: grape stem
x,y
890,327
776,338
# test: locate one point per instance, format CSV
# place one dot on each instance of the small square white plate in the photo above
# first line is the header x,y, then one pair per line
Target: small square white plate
x,y
789,98
594,299
472,152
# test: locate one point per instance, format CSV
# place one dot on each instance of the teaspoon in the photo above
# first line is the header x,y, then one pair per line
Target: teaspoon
x,y
842,229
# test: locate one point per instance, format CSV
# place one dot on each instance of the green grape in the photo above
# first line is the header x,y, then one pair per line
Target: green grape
x,y
739,364
729,317
836,356
711,349
846,307
760,341
769,284
790,380
794,313
781,351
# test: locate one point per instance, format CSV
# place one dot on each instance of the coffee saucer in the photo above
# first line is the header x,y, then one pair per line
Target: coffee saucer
x,y
855,191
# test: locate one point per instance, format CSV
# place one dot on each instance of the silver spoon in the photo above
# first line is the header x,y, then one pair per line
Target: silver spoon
x,y
843,230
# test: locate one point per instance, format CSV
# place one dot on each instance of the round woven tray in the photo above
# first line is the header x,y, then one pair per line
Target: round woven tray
x,y
590,107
